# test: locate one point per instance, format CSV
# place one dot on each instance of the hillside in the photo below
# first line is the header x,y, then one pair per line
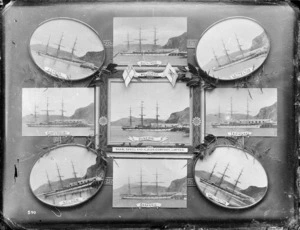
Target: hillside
x,y
93,57
178,42
181,117
85,113
269,112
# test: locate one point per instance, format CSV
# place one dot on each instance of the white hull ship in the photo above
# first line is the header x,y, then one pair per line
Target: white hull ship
x,y
72,60
244,56
228,196
71,193
147,196
244,123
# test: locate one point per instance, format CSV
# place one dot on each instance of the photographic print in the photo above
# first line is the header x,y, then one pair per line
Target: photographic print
x,y
150,183
231,178
232,48
149,112
57,111
67,175
150,40
250,110
67,49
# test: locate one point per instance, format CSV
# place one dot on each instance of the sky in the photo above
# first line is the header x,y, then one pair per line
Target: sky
x,y
221,96
167,27
169,99
74,98
87,39
81,158
245,30
253,172
170,169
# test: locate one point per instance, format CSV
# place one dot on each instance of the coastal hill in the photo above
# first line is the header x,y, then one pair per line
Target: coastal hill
x,y
268,112
85,113
178,42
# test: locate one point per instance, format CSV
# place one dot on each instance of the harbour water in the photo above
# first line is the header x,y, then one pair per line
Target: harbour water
x,y
118,135
73,70
259,132
132,60
56,131
118,202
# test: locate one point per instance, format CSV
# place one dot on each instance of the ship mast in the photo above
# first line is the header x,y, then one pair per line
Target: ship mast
x,y
129,188
59,176
212,172
231,111
247,109
130,117
226,51
155,39
48,44
62,109
73,49
47,111
140,39
216,58
236,183
222,177
128,42
74,172
142,114
157,116
59,45
48,181
239,45
141,182
35,113
156,182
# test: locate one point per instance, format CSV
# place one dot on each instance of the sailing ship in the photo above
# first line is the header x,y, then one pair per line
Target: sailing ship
x,y
71,60
147,196
73,188
70,123
155,51
244,123
144,127
230,195
244,55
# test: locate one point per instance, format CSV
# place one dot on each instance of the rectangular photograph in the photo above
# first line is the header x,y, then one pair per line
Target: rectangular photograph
x,y
149,112
57,111
235,111
150,41
150,183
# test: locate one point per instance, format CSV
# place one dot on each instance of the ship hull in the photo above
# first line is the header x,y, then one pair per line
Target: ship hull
x,y
147,197
58,126
148,129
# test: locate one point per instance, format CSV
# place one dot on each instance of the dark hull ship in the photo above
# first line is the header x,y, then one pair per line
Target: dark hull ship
x,y
245,123
69,123
72,60
157,127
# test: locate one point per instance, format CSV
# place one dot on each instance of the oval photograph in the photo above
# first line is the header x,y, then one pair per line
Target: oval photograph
x,y
231,178
67,175
232,48
67,49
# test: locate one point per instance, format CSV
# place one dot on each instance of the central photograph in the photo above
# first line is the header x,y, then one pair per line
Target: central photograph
x,y
149,112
